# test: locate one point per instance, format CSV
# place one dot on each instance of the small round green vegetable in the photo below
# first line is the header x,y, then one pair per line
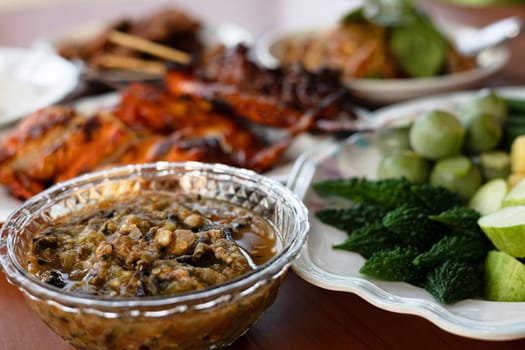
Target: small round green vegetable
x,y
458,174
393,139
486,101
483,133
405,163
494,164
437,135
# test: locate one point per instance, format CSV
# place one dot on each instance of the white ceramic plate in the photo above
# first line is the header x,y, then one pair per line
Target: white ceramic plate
x,y
211,34
386,91
31,79
332,269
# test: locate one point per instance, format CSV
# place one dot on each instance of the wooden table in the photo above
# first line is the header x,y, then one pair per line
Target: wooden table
x,y
303,316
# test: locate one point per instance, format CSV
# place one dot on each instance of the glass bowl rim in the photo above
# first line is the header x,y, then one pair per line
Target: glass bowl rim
x,y
31,286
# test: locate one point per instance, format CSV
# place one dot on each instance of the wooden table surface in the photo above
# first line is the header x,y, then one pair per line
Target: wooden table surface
x,y
303,316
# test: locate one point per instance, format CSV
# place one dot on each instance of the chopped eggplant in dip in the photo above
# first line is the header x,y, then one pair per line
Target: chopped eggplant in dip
x,y
151,244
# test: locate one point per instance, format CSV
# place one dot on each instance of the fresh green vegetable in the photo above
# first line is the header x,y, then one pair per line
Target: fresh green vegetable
x,y
453,281
483,133
514,105
459,247
495,164
488,198
393,139
514,127
407,241
506,229
368,239
436,198
389,192
516,120
486,101
394,265
458,174
412,226
352,218
504,277
404,164
511,132
419,47
436,135
460,219
515,196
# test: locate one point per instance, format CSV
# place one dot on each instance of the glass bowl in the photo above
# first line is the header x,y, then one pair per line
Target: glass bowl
x,y
206,319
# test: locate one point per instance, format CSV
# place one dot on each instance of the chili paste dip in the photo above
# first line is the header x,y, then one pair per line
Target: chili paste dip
x,y
150,244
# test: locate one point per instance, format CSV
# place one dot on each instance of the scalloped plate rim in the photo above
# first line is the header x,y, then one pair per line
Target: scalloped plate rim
x,y
314,269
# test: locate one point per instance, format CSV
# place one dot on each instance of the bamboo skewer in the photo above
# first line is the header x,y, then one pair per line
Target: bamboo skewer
x,y
149,47
131,63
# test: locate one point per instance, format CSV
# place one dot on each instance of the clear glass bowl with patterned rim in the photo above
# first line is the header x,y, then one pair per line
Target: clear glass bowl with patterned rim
x,y
205,319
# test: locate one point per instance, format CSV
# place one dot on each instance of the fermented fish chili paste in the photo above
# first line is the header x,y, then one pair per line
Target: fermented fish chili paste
x,y
150,244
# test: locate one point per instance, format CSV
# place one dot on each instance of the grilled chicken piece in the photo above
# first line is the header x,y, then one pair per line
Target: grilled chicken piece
x,y
55,144
48,121
156,148
147,108
212,143
195,131
100,140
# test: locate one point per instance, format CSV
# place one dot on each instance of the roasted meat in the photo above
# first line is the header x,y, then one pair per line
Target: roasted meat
x,y
194,130
147,108
55,144
275,97
360,49
148,125
172,27
211,112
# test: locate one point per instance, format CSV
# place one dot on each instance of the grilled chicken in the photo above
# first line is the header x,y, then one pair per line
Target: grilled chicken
x,y
204,113
56,144
274,97
148,125
194,129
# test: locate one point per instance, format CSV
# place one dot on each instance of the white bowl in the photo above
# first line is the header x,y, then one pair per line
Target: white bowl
x,y
31,79
385,91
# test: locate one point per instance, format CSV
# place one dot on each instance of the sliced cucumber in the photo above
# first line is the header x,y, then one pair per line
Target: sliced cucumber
x,y
506,229
516,195
504,277
488,198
